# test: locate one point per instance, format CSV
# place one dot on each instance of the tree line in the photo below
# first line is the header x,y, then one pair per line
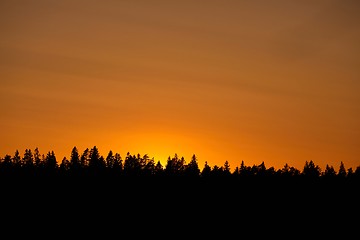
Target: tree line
x,y
136,187
91,163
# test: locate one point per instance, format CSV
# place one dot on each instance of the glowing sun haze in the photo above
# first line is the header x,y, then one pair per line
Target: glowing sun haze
x,y
273,81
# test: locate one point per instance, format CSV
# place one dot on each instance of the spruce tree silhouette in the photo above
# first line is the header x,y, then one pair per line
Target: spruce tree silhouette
x,y
140,189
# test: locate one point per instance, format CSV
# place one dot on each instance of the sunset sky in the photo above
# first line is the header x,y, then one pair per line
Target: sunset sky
x,y
274,81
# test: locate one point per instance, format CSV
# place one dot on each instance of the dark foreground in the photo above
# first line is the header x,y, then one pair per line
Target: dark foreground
x,y
174,207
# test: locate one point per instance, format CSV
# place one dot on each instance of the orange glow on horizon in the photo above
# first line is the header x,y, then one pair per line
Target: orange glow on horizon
x,y
227,81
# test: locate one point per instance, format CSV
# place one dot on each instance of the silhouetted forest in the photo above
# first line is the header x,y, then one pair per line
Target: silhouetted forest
x,y
140,174
90,163
138,192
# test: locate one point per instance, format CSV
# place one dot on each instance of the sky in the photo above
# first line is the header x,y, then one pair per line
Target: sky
x,y
227,80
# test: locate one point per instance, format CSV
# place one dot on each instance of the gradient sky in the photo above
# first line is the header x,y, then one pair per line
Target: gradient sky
x,y
274,81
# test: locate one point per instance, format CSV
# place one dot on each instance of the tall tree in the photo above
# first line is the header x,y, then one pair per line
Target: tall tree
x,y
118,164
311,170
84,159
50,164
96,162
245,171
261,169
28,159
64,166
37,158
16,159
329,171
75,164
342,170
226,168
159,169
206,171
175,166
149,168
110,160
192,168
132,166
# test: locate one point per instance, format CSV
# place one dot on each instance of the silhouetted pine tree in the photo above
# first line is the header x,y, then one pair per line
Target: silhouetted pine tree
x,y
192,168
